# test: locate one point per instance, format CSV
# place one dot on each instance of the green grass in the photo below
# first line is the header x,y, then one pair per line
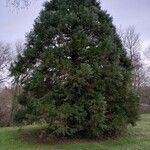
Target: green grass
x,y
137,138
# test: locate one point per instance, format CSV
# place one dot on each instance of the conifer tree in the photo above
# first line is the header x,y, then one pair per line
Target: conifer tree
x,y
75,73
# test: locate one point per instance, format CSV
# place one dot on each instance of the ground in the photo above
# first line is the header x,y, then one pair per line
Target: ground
x,y
137,138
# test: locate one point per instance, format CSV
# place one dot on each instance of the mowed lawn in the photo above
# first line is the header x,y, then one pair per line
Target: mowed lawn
x,y
137,138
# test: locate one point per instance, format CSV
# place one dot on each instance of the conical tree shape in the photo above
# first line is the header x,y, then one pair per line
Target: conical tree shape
x,y
75,73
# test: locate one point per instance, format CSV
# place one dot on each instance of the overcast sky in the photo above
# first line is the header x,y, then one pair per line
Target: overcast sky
x,y
15,23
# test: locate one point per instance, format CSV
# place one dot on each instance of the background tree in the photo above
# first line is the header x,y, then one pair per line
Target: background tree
x,y
8,92
5,93
146,88
75,73
132,44
5,60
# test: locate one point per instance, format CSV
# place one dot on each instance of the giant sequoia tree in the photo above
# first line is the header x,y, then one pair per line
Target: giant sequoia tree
x,y
75,73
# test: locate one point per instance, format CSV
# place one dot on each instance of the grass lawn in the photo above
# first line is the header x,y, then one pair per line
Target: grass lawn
x,y
137,138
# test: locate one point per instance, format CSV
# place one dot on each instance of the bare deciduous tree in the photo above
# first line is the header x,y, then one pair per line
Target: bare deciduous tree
x,y
5,59
131,42
146,54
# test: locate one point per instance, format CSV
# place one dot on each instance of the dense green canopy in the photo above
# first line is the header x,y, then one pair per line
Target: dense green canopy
x,y
75,73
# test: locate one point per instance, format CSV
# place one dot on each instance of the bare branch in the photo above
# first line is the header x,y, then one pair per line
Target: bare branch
x,y
20,46
19,3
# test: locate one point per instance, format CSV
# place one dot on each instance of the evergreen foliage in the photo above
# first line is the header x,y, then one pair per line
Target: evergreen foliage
x,y
75,73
